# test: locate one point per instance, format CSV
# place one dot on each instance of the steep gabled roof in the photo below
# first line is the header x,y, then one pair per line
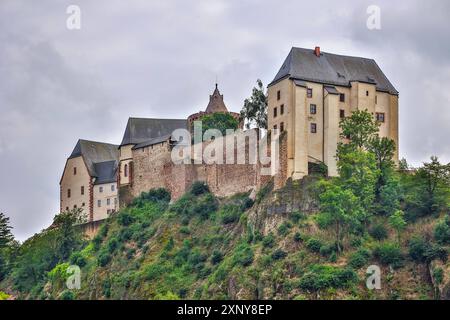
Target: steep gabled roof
x,y
106,172
333,69
94,152
139,130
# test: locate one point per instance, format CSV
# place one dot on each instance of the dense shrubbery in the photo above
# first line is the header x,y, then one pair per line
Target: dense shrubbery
x,y
359,258
243,255
321,277
378,232
389,253
442,231
155,195
421,250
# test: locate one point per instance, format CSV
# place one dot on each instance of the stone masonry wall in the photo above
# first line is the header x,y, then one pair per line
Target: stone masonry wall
x,y
153,168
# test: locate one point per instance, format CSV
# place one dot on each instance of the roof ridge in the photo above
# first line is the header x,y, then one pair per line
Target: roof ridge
x,y
85,140
334,54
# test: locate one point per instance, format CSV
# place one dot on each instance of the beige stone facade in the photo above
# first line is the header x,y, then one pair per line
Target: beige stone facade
x,y
310,111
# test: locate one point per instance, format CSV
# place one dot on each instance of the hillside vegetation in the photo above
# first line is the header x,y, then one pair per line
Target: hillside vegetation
x,y
312,239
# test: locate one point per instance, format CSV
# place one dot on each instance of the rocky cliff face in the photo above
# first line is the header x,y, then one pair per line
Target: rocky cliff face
x,y
297,196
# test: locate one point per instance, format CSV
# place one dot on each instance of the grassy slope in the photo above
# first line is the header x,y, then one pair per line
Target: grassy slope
x,y
187,251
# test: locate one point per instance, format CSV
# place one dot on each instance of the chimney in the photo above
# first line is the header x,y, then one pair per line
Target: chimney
x,y
317,51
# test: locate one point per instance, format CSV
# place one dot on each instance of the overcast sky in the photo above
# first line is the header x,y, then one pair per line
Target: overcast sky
x,y
161,59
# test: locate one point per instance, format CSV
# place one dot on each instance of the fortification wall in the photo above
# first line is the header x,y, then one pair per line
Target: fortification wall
x,y
153,168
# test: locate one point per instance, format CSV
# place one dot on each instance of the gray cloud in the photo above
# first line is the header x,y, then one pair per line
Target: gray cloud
x,y
161,58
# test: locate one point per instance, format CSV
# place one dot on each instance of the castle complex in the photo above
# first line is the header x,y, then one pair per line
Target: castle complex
x,y
309,95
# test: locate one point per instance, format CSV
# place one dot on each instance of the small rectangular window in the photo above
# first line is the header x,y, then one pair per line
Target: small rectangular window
x,y
282,126
342,113
309,92
113,187
275,127
278,95
108,202
82,190
380,117
313,128
100,189
376,99
282,109
74,171
68,193
275,112
99,203
312,109
342,97
367,93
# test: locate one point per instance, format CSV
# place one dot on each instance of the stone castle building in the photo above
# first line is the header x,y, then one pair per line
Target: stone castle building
x,y
307,98
313,90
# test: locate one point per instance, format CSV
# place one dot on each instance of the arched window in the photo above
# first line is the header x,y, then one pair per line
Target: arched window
x,y
125,170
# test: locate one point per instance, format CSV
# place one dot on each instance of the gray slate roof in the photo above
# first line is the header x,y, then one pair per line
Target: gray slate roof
x,y
94,152
140,130
152,142
106,172
333,69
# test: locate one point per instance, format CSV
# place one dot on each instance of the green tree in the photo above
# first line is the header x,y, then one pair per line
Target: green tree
x,y
339,209
6,239
397,222
255,107
433,180
5,231
220,121
358,172
68,237
359,128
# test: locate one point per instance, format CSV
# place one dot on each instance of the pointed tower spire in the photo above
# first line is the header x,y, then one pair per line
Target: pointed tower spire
x,y
216,103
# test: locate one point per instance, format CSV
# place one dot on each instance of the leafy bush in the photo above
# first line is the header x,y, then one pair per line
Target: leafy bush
x,y
125,219
77,259
298,237
103,258
421,250
297,216
230,213
155,195
112,245
327,249
268,241
378,232
442,231
321,277
205,206
279,254
185,230
198,188
359,258
314,245
67,295
283,229
216,257
389,253
153,271
243,255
